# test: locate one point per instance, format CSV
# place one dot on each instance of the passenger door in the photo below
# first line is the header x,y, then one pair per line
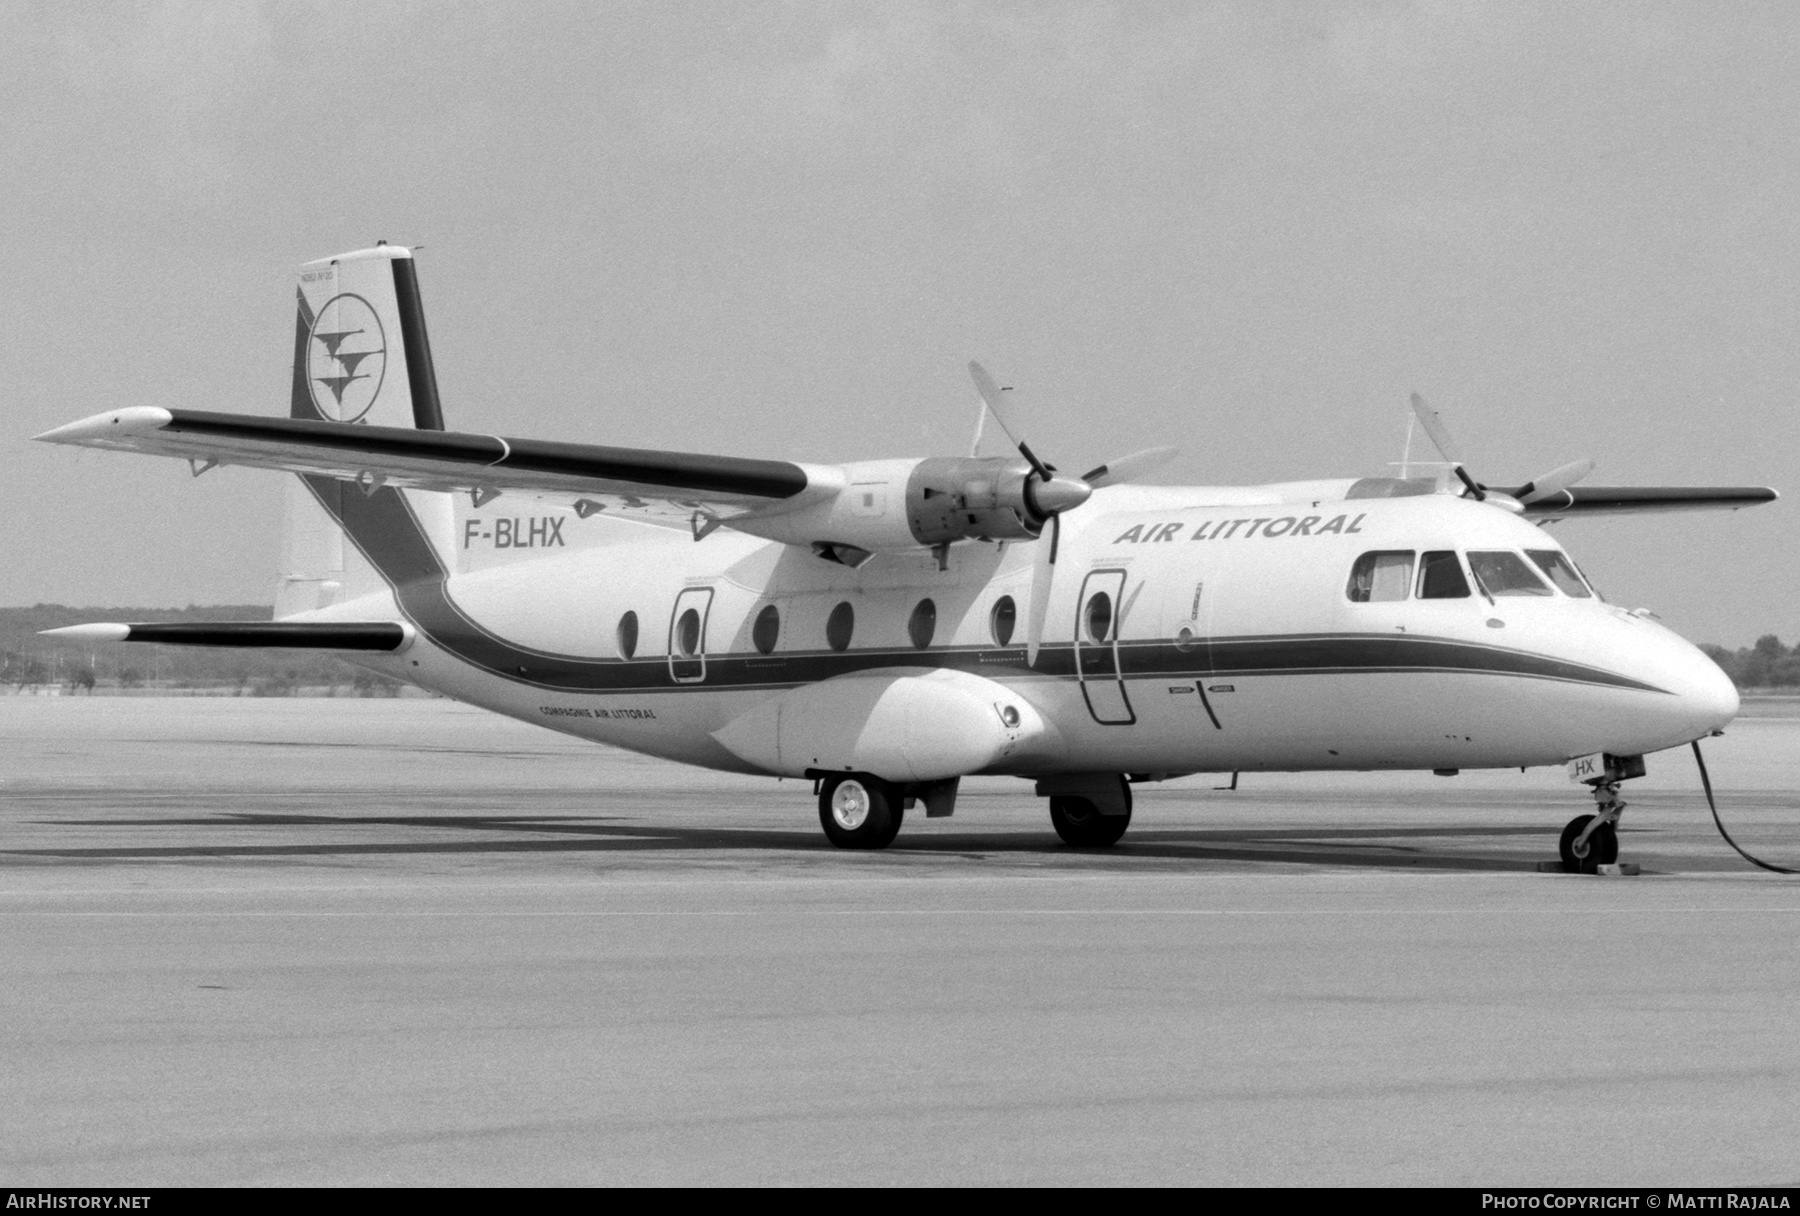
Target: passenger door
x,y
687,635
1097,648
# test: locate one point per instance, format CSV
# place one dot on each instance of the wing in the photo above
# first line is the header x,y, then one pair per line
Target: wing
x,y
629,480
286,635
1582,502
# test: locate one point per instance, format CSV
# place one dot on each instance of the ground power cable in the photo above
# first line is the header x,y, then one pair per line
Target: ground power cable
x,y
1706,783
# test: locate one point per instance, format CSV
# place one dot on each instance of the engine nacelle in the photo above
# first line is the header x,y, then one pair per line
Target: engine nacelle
x,y
979,498
884,505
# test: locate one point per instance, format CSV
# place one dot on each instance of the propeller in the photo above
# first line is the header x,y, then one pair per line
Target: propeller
x,y
1005,412
1440,439
1538,488
1050,495
1130,468
1553,482
1043,570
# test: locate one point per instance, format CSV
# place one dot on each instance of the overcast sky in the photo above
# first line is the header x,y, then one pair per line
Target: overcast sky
x,y
1249,230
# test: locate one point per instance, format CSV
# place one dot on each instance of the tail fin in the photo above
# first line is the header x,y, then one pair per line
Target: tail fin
x,y
360,350
361,355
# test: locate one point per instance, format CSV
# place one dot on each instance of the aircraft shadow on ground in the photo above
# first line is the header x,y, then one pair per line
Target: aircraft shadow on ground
x,y
1378,847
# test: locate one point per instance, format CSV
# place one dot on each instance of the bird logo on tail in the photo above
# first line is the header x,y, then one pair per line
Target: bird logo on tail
x,y
346,357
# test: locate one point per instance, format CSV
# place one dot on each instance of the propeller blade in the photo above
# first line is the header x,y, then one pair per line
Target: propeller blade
x,y
1043,572
1440,439
1006,413
1553,482
1434,427
1130,468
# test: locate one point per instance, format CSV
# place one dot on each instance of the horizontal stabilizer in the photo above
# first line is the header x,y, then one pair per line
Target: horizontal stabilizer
x,y
1587,501
287,635
442,460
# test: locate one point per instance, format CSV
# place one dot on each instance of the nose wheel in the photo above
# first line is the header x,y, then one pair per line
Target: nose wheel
x,y
1584,851
1591,841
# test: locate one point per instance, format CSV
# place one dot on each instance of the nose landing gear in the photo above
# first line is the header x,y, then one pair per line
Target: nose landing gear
x,y
1591,841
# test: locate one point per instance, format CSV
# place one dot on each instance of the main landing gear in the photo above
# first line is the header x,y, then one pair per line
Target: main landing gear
x,y
860,812
1079,822
1592,841
1088,810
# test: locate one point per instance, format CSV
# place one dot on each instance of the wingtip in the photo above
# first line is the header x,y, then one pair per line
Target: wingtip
x,y
97,428
97,632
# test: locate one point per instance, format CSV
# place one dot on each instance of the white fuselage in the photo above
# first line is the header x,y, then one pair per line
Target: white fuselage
x,y
1234,647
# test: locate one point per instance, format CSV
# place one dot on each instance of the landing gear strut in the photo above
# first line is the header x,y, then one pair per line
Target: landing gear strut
x,y
1591,841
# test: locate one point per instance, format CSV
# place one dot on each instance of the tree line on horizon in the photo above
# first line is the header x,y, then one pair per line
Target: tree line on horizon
x,y
1764,664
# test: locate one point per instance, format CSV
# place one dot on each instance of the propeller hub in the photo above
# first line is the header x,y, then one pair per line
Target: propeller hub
x,y
1055,495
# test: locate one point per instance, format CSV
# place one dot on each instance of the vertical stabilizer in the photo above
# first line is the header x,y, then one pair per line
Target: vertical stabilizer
x,y
360,350
362,357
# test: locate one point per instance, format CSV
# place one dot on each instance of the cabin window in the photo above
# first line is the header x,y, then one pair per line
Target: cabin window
x,y
1441,576
1098,617
687,633
922,624
839,626
1561,570
1377,577
767,630
627,635
1003,619
1503,572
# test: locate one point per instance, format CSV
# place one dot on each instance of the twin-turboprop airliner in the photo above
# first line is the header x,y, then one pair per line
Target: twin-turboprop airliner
x,y
888,627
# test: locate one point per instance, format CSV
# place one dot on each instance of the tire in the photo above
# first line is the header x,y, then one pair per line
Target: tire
x,y
860,812
1602,847
1080,823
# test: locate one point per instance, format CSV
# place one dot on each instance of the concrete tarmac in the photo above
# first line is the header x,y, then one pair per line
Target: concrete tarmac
x,y
349,941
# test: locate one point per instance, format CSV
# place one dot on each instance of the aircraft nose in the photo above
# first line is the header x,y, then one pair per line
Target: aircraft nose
x,y
1706,697
1711,697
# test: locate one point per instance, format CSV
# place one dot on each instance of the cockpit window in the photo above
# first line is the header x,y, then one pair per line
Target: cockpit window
x,y
1441,576
1561,570
1380,576
1503,572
